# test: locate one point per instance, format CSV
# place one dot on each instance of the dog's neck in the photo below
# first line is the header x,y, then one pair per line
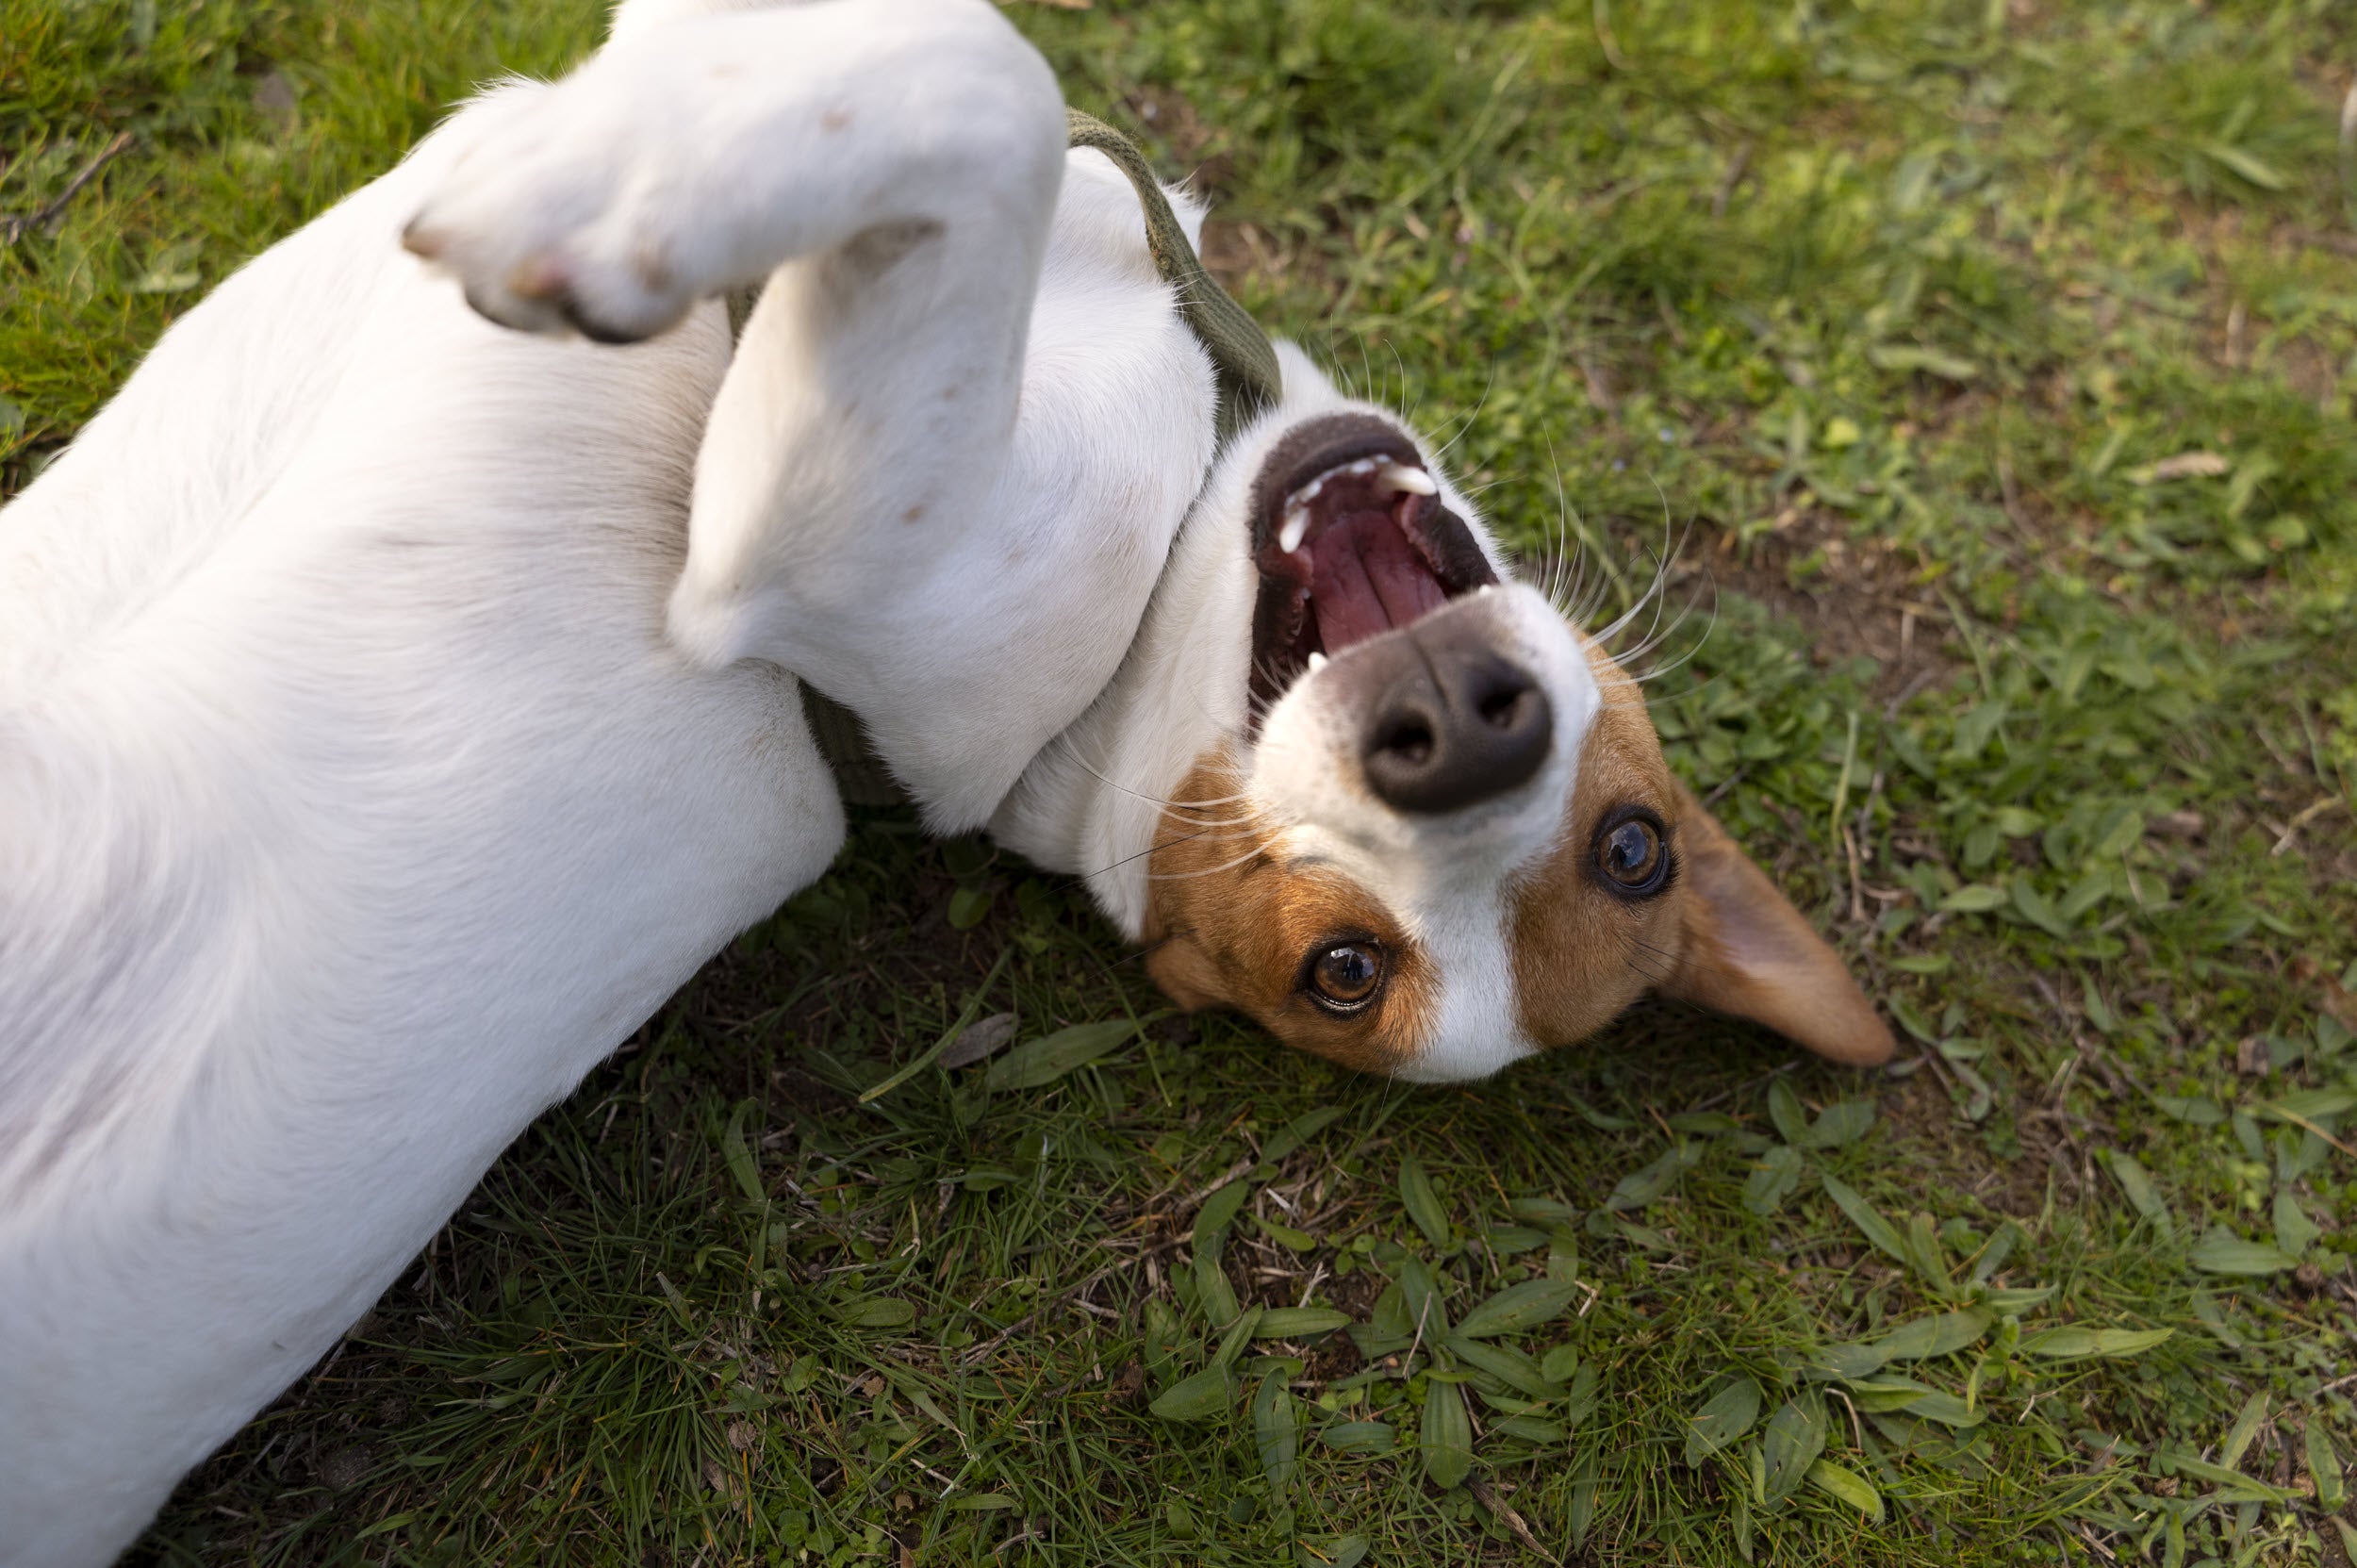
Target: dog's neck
x,y
1092,802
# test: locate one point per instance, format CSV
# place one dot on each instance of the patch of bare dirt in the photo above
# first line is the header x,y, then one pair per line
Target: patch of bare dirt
x,y
1355,1293
1337,1358
1956,1154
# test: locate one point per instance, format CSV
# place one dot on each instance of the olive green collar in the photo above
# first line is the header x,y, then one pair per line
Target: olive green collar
x,y
1242,365
1242,359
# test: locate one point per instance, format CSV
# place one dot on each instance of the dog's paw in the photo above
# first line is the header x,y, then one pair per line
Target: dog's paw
x,y
558,220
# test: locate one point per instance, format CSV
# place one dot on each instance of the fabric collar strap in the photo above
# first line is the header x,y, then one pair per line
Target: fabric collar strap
x,y
1242,359
1243,364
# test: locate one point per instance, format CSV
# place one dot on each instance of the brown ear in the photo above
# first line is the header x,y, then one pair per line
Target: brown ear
x,y
1748,953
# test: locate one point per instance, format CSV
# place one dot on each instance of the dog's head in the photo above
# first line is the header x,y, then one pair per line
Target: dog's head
x,y
1442,834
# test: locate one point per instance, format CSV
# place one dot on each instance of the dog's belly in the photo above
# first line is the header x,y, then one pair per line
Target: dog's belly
x,y
351,808
352,804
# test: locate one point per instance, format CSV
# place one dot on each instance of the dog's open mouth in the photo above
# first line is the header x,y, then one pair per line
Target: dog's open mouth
x,y
1351,540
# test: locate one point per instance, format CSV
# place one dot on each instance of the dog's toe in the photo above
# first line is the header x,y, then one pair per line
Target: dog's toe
x,y
534,276
423,241
594,327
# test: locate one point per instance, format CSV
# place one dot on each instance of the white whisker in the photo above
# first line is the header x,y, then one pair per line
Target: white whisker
x,y
1468,422
1110,783
1256,851
1409,408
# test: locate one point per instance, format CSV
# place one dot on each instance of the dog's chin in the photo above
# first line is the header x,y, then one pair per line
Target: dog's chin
x,y
1351,540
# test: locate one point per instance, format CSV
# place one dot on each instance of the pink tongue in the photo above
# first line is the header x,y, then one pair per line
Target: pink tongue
x,y
1367,580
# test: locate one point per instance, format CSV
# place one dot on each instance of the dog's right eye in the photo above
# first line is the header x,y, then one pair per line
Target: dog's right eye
x,y
1633,853
1346,976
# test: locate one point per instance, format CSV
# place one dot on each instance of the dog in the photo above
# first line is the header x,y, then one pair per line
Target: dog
x,y
402,688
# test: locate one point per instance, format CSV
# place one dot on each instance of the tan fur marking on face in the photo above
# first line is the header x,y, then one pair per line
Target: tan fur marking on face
x,y
1228,924
1582,953
1720,936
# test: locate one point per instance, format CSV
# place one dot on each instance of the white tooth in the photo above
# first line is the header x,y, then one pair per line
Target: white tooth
x,y
1398,476
1317,662
1297,525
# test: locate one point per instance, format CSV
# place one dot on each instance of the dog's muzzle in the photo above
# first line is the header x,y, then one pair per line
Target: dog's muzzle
x,y
1444,720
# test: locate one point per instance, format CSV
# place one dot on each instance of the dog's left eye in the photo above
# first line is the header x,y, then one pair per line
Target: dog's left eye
x,y
1345,977
1631,854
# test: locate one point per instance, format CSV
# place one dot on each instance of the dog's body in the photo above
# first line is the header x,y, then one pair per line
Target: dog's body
x,y
396,708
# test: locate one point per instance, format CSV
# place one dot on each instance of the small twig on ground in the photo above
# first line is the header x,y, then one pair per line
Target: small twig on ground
x,y
1938,1065
2009,494
23,224
1599,387
1610,45
2318,240
1728,181
1864,819
2348,132
2109,1555
1711,1101
981,1352
976,1356
1030,1532
1858,895
1235,1172
1487,1495
2292,828
1922,679
1857,1428
2297,1120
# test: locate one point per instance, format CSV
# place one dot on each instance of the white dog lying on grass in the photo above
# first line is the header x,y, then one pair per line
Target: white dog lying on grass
x,y
396,707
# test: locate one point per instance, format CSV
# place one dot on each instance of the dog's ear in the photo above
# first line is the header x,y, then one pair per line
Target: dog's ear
x,y
1748,953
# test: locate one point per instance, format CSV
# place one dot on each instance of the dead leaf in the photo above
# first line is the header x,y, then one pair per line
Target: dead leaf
x,y
274,95
2185,464
2250,1057
981,1038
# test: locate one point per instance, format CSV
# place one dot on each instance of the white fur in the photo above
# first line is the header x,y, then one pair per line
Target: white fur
x,y
395,708
380,743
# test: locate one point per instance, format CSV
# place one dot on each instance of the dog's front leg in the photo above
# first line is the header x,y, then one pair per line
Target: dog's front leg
x,y
886,170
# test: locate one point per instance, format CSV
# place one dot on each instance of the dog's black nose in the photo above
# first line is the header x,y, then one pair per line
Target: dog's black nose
x,y
1457,724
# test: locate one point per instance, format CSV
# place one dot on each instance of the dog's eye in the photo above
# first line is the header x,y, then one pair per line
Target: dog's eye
x,y
1631,854
1345,977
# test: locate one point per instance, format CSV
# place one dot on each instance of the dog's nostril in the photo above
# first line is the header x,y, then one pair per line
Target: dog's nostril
x,y
1457,726
1411,740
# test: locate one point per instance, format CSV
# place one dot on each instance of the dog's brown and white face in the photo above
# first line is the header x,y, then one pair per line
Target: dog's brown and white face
x,y
1444,838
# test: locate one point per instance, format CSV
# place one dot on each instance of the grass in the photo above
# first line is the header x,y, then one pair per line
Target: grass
x,y
1988,363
